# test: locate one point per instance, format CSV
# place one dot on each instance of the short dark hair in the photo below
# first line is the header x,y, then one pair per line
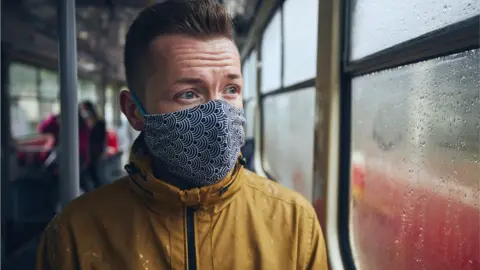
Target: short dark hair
x,y
196,18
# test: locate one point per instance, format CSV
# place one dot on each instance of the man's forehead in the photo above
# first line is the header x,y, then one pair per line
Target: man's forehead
x,y
166,47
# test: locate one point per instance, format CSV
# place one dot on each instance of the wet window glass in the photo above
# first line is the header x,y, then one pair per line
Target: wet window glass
x,y
288,142
250,92
19,122
47,107
49,84
300,40
271,55
23,80
250,116
249,73
87,91
110,100
380,24
30,107
23,92
415,166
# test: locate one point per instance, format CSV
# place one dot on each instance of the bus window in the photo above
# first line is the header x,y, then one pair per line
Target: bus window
x,y
20,126
249,72
377,24
271,55
417,204
288,131
49,93
288,69
250,92
389,125
300,40
23,92
87,91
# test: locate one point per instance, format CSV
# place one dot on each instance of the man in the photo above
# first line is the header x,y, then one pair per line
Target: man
x,y
188,203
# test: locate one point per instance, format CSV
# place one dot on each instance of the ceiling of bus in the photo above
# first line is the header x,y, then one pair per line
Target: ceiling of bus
x,y
30,28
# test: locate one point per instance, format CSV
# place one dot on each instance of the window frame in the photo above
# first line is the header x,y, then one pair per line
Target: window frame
x,y
38,95
326,83
247,101
278,91
454,38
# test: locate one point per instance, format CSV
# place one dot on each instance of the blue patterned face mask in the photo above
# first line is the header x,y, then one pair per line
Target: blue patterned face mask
x,y
201,144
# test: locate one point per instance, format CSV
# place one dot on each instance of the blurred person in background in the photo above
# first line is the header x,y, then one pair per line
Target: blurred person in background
x,y
188,202
51,125
97,139
92,141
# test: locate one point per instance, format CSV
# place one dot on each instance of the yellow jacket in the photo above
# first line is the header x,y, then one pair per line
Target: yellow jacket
x,y
139,222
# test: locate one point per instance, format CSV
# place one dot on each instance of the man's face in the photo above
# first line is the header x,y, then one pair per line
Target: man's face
x,y
187,72
190,71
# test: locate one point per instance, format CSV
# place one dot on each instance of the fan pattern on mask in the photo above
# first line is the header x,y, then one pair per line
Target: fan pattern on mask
x,y
200,144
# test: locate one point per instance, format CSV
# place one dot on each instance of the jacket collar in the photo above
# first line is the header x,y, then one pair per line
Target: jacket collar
x,y
158,194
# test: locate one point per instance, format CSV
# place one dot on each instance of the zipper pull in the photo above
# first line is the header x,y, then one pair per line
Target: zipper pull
x,y
133,170
130,169
242,160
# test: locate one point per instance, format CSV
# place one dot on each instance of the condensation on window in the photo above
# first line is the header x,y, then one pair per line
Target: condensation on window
x,y
249,72
23,80
415,166
87,91
380,24
49,84
48,107
110,99
250,116
271,52
288,139
31,107
19,122
300,40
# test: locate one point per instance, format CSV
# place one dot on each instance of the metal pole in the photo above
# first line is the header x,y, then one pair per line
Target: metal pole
x,y
69,152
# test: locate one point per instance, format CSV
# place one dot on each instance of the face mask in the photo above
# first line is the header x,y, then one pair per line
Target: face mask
x,y
201,144
85,114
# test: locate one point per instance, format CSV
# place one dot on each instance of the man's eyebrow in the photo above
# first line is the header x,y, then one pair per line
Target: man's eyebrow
x,y
189,80
194,80
233,76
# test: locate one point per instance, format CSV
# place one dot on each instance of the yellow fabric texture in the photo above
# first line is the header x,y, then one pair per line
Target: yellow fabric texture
x,y
139,222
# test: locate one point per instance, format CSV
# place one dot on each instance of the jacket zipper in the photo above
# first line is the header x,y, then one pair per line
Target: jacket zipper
x,y
191,252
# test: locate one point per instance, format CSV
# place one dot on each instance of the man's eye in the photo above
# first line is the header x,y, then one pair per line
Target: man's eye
x,y
188,95
231,90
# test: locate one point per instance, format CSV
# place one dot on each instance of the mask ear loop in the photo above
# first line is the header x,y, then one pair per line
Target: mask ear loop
x,y
137,102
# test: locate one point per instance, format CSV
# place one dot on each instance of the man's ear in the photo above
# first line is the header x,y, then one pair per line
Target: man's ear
x,y
130,110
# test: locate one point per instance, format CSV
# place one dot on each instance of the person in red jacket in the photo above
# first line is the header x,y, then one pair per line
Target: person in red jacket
x,y
51,125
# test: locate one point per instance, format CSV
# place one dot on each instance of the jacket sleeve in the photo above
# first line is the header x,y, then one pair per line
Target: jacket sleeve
x,y
43,262
56,251
317,256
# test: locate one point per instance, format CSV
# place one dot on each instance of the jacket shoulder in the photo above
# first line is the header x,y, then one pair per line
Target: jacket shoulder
x,y
94,204
80,219
278,194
